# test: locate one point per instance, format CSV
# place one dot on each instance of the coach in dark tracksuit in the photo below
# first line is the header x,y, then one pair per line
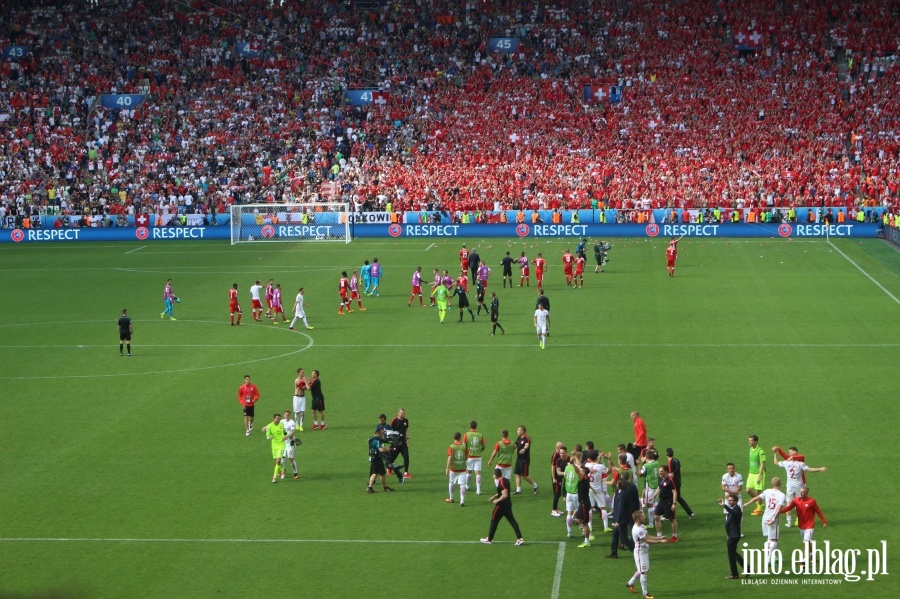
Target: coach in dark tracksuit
x,y
733,533
674,466
626,503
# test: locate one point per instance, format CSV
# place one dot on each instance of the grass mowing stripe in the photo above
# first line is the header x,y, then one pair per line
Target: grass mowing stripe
x,y
280,541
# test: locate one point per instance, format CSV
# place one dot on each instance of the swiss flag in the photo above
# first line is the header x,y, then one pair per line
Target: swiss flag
x,y
142,220
514,137
380,98
256,45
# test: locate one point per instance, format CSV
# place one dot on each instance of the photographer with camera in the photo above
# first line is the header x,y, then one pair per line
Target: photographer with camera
x,y
378,453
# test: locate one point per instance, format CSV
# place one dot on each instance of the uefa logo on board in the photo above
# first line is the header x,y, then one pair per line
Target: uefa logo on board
x,y
522,230
267,231
142,233
785,230
395,230
17,235
652,230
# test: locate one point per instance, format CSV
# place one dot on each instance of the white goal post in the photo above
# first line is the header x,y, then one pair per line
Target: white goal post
x,y
320,221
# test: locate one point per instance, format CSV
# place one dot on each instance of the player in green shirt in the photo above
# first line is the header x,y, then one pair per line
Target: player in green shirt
x,y
570,484
474,442
275,432
650,472
456,468
756,479
505,454
440,295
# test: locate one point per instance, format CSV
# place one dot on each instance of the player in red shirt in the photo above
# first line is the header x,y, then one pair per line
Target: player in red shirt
x,y
568,262
248,395
578,280
234,305
671,255
807,510
344,289
539,265
464,258
463,281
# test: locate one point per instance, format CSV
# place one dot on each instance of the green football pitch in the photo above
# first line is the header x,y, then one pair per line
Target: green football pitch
x,y
132,477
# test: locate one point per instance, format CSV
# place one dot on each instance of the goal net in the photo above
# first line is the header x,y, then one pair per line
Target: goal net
x,y
321,221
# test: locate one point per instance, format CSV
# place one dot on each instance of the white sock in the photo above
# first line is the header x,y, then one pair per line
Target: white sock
x,y
568,525
468,476
462,494
644,584
478,483
450,491
633,579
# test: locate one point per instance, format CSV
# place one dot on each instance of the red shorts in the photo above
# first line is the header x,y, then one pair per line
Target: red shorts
x,y
670,262
417,290
344,297
484,283
526,271
539,275
567,269
579,271
269,302
257,304
354,295
235,308
464,264
278,309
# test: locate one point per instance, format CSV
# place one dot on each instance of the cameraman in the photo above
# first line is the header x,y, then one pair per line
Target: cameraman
x,y
600,250
377,452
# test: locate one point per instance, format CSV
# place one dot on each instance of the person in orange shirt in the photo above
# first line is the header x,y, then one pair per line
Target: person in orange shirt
x,y
248,395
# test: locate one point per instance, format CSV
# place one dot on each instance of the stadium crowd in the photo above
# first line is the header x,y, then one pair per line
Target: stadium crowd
x,y
809,116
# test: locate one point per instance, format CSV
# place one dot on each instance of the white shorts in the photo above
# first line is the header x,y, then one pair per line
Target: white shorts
x,y
458,478
806,535
641,560
770,531
506,470
571,502
541,329
299,403
289,450
473,464
300,314
648,493
792,492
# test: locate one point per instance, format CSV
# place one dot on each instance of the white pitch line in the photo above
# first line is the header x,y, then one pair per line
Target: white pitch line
x,y
281,541
107,346
557,575
430,246
867,275
135,249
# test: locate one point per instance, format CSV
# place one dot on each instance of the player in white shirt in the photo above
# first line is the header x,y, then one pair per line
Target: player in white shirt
x,y
542,324
733,483
255,291
795,477
289,427
773,500
599,496
641,552
299,311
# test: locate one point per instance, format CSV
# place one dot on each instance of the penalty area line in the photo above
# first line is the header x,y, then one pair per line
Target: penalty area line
x,y
430,246
865,274
557,575
135,249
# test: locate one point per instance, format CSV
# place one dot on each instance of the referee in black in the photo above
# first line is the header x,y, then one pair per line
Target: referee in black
x,y
507,263
502,509
463,297
495,315
125,330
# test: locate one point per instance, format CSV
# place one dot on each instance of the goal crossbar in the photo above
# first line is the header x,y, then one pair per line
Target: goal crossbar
x,y
320,221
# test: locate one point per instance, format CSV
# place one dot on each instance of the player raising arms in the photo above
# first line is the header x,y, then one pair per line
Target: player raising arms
x,y
526,270
344,289
277,305
270,295
234,305
354,291
539,265
672,255
416,287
